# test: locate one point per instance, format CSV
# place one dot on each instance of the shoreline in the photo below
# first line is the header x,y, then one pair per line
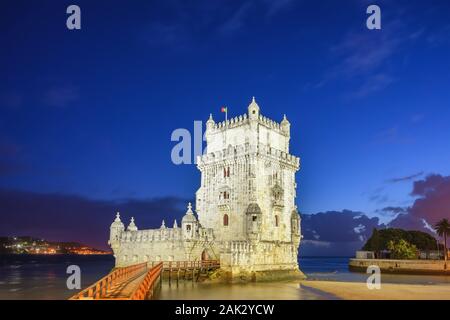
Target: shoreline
x,y
389,291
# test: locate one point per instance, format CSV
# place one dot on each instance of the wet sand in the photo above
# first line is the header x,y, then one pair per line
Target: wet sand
x,y
388,291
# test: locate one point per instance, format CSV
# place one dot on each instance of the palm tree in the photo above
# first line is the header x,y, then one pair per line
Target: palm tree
x,y
442,228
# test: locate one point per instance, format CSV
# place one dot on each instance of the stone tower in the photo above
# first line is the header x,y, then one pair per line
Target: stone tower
x,y
248,189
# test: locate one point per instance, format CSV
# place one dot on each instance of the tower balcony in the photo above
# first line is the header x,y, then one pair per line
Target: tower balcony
x,y
278,204
224,203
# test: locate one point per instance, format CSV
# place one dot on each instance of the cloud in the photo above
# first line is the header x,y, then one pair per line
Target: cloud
x,y
188,26
372,84
392,135
364,58
378,195
336,233
358,55
407,178
392,211
236,21
65,217
317,243
273,7
338,226
432,204
61,97
323,248
379,198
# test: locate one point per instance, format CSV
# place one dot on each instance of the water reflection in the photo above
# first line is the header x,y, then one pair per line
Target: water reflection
x,y
253,291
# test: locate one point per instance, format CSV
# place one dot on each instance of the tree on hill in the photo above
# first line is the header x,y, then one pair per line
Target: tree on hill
x,y
380,238
401,249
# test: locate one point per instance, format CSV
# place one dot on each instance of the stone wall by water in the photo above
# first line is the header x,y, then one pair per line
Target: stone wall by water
x,y
402,266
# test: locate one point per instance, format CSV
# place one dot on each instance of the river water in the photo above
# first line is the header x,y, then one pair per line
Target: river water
x,y
44,277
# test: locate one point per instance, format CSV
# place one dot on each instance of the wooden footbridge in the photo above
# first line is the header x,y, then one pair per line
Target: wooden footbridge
x,y
140,281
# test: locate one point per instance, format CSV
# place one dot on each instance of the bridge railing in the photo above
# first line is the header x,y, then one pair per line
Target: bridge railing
x,y
146,286
170,265
100,288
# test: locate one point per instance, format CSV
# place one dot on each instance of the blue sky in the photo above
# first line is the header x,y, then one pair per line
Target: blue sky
x,y
89,113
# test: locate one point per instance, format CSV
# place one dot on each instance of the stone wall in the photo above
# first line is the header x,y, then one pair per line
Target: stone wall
x,y
402,266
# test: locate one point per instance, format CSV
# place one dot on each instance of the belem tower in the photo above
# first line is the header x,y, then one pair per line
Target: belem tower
x,y
245,213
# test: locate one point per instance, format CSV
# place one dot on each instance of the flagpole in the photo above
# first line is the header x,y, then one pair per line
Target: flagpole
x,y
225,110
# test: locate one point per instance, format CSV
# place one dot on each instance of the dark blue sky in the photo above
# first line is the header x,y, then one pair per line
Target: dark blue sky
x,y
90,113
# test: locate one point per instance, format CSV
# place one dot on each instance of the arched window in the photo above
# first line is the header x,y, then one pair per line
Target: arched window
x,y
276,221
225,220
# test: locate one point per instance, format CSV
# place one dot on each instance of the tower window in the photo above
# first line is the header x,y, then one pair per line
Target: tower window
x,y
224,195
254,218
188,227
225,219
276,221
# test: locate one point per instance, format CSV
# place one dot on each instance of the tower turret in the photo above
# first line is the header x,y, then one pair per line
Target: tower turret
x,y
132,226
210,123
286,126
253,110
189,223
115,231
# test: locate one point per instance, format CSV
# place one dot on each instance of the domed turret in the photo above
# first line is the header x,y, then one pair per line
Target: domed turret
x,y
115,230
189,216
253,110
189,224
117,223
132,226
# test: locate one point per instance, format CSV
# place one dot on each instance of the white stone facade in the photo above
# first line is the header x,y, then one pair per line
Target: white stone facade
x,y
245,205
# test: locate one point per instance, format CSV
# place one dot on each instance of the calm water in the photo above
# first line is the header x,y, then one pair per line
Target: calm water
x,y
44,277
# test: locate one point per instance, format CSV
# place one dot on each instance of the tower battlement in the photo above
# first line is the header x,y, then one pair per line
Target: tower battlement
x,y
243,120
246,149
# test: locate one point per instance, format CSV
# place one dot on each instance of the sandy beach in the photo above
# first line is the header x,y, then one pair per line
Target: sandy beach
x,y
359,291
